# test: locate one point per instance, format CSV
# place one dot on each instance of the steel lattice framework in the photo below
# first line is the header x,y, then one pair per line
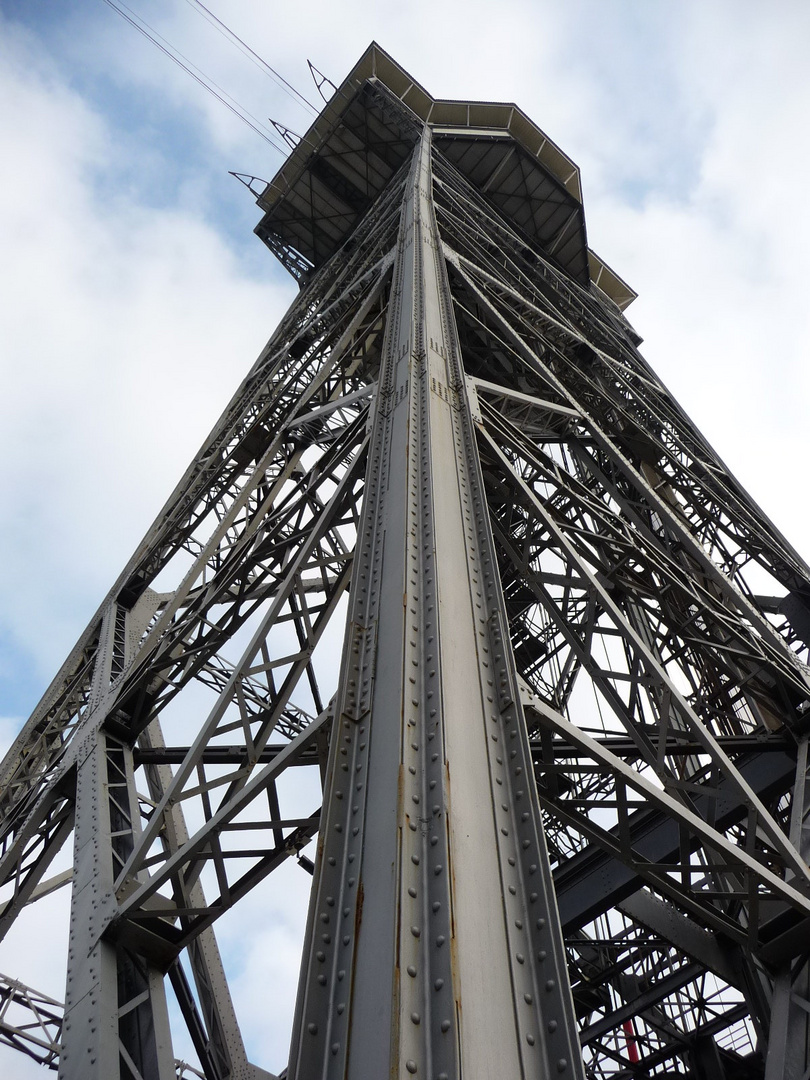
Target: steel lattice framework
x,y
563,755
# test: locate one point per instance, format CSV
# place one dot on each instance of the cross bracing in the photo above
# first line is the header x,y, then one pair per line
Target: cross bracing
x,y
457,612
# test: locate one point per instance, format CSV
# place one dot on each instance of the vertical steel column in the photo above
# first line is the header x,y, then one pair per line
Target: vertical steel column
x,y
433,946
116,1022
788,1056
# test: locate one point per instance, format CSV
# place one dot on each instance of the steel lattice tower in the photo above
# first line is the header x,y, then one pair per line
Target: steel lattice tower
x,y
563,756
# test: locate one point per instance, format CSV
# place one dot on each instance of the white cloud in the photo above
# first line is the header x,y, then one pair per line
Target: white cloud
x,y
125,329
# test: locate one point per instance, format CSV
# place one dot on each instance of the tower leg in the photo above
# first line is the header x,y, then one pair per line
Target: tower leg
x,y
434,946
789,1039
116,1023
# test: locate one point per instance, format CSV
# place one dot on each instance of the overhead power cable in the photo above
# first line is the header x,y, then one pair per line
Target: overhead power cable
x,y
243,47
196,74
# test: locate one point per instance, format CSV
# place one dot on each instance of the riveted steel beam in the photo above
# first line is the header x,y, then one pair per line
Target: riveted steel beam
x,y
433,945
115,1010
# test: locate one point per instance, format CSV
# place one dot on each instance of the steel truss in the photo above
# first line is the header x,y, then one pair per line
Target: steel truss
x,y
563,757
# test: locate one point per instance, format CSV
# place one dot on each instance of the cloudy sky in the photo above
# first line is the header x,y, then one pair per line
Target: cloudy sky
x,y
134,295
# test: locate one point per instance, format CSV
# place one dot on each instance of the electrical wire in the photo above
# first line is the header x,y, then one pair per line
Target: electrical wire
x,y
253,56
197,75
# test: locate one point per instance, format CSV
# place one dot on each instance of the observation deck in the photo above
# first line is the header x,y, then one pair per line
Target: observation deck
x,y
368,129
